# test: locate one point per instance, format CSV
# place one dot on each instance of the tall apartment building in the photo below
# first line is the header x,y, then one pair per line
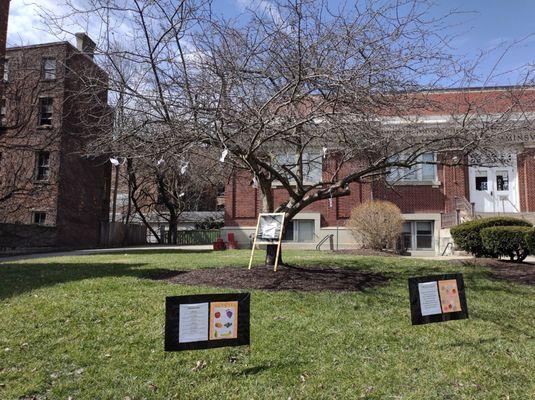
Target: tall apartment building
x,y
54,100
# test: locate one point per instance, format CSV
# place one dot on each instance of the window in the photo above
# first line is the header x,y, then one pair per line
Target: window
x,y
39,218
418,235
502,180
481,181
45,111
312,164
300,230
3,121
49,68
43,166
423,171
5,78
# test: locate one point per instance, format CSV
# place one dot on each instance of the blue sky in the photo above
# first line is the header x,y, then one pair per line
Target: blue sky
x,y
485,25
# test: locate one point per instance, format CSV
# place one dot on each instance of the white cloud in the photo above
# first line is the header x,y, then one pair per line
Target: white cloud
x,y
25,25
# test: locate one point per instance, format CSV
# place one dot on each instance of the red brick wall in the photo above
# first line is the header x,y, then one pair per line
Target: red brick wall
x,y
76,196
526,180
243,201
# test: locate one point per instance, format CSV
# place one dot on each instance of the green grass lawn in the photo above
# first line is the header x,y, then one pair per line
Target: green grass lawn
x,y
91,327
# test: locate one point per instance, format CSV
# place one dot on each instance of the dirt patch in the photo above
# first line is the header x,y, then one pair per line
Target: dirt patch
x,y
309,279
506,270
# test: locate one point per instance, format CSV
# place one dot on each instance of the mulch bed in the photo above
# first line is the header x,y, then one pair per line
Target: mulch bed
x,y
313,278
506,270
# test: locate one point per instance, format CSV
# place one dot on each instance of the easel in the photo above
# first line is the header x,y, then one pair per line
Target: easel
x,y
267,241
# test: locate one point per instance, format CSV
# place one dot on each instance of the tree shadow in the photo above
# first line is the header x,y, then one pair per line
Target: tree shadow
x,y
155,251
18,278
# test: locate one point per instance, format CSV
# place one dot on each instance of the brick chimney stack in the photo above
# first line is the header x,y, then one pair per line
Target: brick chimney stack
x,y
85,44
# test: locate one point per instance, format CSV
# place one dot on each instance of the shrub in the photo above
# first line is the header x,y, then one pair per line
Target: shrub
x,y
377,223
530,240
467,235
507,241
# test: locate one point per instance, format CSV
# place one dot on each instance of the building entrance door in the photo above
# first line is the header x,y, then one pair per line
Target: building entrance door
x,y
494,189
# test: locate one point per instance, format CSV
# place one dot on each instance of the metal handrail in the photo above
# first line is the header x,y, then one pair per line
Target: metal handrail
x,y
448,245
329,236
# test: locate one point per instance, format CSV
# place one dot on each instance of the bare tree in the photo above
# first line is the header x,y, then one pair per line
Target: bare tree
x,y
299,95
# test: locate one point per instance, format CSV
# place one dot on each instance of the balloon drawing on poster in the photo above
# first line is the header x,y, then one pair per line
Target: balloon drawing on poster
x,y
223,320
449,296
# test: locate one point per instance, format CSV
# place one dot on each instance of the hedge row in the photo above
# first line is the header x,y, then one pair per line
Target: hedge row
x,y
467,235
507,241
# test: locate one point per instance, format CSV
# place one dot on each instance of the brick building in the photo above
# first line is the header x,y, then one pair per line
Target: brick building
x,y
54,99
428,197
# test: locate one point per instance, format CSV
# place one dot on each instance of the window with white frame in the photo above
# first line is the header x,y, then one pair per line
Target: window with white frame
x,y
5,78
424,170
46,110
311,162
49,68
39,218
300,230
43,166
418,235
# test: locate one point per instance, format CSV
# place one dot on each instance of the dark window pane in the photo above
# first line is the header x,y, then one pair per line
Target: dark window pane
x,y
289,234
407,240
43,167
45,111
481,180
424,241
502,180
39,218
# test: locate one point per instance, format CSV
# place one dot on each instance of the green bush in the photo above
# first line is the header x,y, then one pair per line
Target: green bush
x,y
530,241
507,241
467,235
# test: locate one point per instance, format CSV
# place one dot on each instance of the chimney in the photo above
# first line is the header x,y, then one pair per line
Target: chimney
x,y
85,44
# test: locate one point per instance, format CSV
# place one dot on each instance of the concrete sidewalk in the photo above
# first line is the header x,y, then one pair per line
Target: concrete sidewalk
x,y
88,252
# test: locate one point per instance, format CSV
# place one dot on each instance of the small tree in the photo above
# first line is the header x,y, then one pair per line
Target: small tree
x,y
377,223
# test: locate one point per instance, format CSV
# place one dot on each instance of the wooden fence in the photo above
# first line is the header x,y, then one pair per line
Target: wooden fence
x,y
119,234
207,236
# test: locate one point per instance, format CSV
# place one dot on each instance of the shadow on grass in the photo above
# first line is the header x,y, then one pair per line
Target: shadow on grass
x,y
18,278
150,252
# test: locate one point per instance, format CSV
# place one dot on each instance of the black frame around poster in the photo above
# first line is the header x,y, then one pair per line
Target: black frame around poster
x,y
172,317
416,313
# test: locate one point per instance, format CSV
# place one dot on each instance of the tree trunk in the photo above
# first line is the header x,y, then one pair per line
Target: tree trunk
x,y
268,206
173,232
271,253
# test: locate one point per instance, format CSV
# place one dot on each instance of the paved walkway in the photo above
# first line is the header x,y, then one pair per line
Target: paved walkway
x,y
100,251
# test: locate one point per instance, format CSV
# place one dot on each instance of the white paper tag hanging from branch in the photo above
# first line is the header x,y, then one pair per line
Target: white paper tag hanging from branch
x,y
114,161
184,168
324,152
254,182
223,155
160,162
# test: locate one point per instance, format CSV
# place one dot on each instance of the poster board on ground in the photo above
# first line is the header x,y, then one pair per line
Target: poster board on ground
x,y
437,298
207,321
268,231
